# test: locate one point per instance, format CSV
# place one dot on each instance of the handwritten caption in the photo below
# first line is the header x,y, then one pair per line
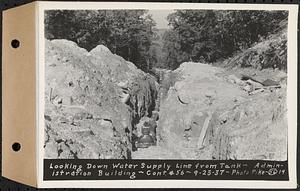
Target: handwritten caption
x,y
62,169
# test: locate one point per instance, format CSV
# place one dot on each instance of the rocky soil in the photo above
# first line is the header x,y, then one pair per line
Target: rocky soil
x,y
234,109
93,101
97,103
210,113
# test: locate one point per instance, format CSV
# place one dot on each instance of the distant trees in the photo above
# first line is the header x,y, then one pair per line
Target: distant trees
x,y
128,33
195,35
209,35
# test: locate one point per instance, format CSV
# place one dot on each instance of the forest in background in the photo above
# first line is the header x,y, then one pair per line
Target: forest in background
x,y
127,33
195,35
210,35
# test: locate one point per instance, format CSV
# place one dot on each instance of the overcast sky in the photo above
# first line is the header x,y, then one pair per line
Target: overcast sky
x,y
160,17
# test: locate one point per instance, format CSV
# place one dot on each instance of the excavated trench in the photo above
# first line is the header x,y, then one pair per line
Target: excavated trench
x,y
93,102
100,106
208,113
146,142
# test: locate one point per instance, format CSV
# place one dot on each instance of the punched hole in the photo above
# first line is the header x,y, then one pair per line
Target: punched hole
x,y
15,43
16,147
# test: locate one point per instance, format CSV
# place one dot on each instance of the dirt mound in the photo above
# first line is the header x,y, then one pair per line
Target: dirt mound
x,y
209,114
93,100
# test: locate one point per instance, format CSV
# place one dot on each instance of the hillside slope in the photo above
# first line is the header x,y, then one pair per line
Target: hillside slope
x,y
270,53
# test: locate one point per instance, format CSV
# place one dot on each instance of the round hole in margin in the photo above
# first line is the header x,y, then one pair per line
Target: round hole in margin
x,y
15,43
16,147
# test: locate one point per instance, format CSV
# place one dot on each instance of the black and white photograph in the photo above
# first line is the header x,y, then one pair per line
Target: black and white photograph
x,y
166,84
166,94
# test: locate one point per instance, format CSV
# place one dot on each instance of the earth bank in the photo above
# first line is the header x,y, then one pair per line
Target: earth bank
x,y
210,113
93,101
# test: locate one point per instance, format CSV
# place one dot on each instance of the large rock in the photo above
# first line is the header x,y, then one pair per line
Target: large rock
x,y
88,114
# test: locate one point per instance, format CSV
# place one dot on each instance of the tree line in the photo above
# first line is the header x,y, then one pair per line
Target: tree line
x,y
194,35
128,33
211,35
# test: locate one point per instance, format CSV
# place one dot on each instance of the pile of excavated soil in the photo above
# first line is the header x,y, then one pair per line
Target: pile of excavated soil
x,y
209,114
93,100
